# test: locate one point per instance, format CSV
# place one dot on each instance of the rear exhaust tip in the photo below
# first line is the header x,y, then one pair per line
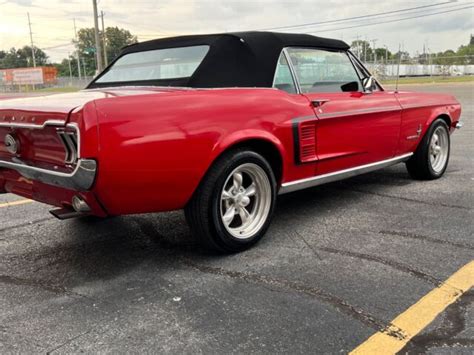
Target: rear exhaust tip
x,y
80,205
66,213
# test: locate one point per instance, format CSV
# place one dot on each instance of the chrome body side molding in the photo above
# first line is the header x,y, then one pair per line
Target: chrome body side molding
x,y
340,175
33,125
80,179
359,112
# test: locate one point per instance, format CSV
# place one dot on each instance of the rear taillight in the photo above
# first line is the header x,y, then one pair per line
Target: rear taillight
x,y
69,141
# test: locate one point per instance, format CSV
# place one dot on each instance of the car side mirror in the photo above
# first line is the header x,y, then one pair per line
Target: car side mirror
x,y
353,86
369,84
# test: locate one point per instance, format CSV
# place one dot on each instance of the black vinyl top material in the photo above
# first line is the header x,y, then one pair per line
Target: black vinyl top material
x,y
240,59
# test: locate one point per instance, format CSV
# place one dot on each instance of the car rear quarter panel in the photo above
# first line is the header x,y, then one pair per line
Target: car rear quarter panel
x,y
419,111
155,149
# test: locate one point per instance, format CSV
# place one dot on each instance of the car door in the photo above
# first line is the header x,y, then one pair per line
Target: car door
x,y
354,127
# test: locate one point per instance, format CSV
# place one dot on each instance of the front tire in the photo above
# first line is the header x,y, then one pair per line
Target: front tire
x,y
431,158
232,208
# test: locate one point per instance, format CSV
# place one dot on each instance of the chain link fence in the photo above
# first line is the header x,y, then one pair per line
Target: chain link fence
x,y
383,69
391,70
59,84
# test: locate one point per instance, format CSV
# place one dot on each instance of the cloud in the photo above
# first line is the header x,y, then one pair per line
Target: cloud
x,y
52,20
456,22
28,3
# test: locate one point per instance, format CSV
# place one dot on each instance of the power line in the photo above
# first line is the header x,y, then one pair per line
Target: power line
x,y
57,46
354,18
396,20
390,17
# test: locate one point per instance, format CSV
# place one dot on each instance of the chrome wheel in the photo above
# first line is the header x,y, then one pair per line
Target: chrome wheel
x,y
439,149
246,200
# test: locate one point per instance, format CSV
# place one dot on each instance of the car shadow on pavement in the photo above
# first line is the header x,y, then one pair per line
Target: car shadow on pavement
x,y
95,249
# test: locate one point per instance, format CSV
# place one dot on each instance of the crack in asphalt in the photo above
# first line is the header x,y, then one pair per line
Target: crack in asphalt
x,y
56,289
70,340
262,280
437,204
426,238
26,224
452,325
307,244
299,287
391,263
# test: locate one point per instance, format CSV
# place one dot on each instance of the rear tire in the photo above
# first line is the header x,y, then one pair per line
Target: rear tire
x,y
233,206
431,158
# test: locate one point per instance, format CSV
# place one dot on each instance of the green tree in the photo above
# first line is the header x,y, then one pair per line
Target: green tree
x,y
11,60
22,57
85,44
466,54
115,39
63,67
401,55
445,58
383,54
40,57
362,49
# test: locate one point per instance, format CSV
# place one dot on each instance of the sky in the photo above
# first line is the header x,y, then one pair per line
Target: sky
x,y
52,20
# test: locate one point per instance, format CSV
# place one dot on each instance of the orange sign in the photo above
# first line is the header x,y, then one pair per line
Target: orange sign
x,y
28,76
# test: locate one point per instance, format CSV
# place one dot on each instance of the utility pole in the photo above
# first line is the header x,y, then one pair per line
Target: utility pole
x,y
386,54
31,39
70,69
373,45
104,38
358,47
84,68
430,63
98,50
365,49
77,52
398,66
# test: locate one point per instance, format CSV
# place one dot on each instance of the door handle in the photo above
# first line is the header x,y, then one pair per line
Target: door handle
x,y
319,102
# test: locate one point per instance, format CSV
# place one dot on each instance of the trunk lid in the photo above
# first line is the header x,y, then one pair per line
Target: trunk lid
x,y
40,128
34,130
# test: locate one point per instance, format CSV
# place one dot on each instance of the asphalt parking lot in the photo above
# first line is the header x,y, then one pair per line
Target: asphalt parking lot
x,y
339,263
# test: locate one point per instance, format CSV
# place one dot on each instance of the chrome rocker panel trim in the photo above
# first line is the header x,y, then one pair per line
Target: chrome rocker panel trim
x,y
340,175
81,179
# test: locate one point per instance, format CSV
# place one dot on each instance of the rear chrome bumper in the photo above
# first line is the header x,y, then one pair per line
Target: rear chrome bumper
x,y
81,179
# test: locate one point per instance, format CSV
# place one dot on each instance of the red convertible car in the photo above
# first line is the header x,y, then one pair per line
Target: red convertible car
x,y
218,125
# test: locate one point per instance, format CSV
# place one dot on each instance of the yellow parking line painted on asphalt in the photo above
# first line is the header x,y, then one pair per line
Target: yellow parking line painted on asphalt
x,y
15,203
417,317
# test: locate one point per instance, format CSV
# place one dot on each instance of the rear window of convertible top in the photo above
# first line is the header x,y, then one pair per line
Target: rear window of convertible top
x,y
158,64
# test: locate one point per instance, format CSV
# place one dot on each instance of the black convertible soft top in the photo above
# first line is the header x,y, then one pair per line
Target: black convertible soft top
x,y
240,59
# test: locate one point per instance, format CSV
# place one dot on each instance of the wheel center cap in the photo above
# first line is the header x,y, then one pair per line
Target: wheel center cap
x,y
238,198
